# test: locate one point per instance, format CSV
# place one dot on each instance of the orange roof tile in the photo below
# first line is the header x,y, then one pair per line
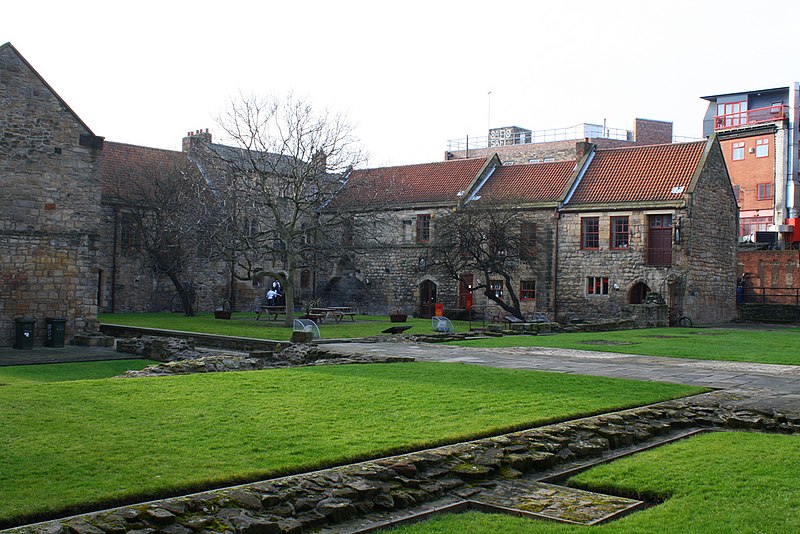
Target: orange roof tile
x,y
424,183
639,174
121,163
536,182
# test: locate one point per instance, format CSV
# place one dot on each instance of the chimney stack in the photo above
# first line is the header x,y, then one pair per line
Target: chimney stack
x,y
582,148
197,136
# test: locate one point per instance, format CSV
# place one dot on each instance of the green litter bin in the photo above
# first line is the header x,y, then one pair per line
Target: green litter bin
x,y
54,331
23,333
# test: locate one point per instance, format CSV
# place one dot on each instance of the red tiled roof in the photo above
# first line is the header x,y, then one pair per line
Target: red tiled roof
x,y
121,164
410,184
536,182
639,174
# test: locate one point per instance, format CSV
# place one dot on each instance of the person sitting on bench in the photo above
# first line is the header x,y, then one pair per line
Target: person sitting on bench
x,y
271,297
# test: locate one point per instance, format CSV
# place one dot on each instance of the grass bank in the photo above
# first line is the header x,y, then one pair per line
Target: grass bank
x,y
719,482
244,324
80,445
778,345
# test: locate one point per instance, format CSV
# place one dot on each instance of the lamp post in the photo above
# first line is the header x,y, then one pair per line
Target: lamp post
x,y
469,305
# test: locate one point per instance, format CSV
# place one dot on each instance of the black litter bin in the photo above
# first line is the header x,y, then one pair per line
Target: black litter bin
x,y
23,329
54,332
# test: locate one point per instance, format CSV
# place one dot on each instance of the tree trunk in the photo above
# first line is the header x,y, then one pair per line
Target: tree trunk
x,y
183,293
288,290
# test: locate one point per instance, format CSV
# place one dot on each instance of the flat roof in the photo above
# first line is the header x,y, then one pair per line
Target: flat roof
x,y
757,91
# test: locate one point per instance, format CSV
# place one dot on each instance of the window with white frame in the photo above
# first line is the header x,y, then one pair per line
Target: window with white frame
x,y
762,148
597,285
737,151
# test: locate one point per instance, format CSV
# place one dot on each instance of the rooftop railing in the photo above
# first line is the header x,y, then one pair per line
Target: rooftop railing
x,y
577,132
777,112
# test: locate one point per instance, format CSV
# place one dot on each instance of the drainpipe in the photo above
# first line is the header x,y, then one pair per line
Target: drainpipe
x,y
557,218
114,262
791,156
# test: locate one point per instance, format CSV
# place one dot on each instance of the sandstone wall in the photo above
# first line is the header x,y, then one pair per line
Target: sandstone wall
x,y
710,232
624,268
49,206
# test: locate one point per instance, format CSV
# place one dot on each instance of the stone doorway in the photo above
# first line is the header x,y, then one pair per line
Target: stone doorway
x,y
427,299
638,293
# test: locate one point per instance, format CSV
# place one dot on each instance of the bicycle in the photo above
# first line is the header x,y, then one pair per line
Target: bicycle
x,y
678,318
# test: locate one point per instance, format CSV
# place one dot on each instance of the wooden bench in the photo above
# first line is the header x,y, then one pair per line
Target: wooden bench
x,y
272,311
336,312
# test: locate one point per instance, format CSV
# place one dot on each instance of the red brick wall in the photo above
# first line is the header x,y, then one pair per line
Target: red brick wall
x,y
770,269
751,171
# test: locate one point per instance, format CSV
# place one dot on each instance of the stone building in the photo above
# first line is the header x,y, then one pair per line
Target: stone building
x,y
49,205
394,271
611,225
659,219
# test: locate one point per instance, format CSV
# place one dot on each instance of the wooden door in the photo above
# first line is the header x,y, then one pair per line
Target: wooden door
x,y
427,299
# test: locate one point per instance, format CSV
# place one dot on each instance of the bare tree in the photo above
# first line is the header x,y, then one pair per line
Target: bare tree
x,y
493,241
157,198
289,162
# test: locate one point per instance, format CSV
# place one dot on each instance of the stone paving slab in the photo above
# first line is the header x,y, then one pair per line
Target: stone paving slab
x,y
558,503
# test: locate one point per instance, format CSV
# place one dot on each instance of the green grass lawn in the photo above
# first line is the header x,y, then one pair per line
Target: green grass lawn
x,y
244,324
61,372
779,345
720,482
79,445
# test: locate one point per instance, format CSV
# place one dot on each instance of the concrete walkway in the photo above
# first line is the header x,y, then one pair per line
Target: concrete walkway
x,y
769,386
68,353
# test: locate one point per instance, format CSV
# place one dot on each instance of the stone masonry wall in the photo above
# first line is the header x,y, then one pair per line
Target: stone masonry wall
x,y
49,201
390,272
138,288
710,233
624,268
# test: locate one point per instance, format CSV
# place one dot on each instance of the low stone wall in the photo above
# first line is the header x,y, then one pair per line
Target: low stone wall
x,y
179,356
325,498
203,340
769,313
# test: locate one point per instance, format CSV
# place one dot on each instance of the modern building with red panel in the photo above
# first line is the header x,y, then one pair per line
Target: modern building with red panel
x,y
758,132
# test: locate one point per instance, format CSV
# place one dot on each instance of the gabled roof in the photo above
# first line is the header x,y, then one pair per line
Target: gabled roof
x,y
529,183
656,173
122,164
411,185
10,47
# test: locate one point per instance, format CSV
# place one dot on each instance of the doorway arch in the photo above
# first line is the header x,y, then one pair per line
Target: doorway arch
x,y
427,299
638,293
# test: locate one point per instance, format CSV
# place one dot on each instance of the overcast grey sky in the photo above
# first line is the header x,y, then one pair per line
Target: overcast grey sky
x,y
411,74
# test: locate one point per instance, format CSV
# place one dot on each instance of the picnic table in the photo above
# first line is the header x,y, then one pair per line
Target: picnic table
x,y
336,312
272,311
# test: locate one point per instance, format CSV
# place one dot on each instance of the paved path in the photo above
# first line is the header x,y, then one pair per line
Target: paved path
x,y
769,386
68,353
